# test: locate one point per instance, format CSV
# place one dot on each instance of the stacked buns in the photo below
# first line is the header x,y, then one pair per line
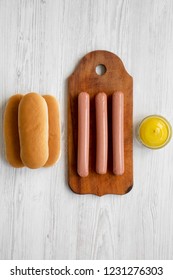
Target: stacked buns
x,y
32,130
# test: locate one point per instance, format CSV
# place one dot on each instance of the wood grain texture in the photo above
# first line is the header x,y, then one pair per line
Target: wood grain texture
x,y
85,78
40,217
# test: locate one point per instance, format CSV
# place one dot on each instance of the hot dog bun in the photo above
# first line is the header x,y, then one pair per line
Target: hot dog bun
x,y
33,130
54,130
11,134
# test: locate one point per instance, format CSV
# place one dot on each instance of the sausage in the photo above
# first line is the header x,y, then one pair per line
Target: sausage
x,y
83,134
11,134
33,130
101,133
54,130
118,132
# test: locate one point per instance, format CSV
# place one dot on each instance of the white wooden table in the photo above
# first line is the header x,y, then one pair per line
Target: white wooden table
x,y
40,44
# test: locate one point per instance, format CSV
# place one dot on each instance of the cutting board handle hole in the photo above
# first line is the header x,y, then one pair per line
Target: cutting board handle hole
x,y
101,69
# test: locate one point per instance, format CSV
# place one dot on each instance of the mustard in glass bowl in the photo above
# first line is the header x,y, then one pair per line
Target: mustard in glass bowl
x,y
154,132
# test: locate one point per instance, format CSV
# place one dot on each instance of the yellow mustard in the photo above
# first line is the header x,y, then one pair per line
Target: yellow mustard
x,y
154,132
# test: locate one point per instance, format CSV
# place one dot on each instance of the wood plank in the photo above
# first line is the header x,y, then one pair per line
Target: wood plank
x,y
86,79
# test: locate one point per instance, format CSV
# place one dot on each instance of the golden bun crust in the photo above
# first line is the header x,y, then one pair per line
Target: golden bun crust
x,y
11,133
54,130
33,130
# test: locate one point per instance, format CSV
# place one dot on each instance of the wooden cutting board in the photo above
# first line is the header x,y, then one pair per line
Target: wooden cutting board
x,y
85,78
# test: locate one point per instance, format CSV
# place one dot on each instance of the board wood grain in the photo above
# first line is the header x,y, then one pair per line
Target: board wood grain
x,y
85,78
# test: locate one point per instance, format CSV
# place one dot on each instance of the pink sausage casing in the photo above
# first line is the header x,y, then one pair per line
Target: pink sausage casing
x,y
83,134
118,132
101,133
